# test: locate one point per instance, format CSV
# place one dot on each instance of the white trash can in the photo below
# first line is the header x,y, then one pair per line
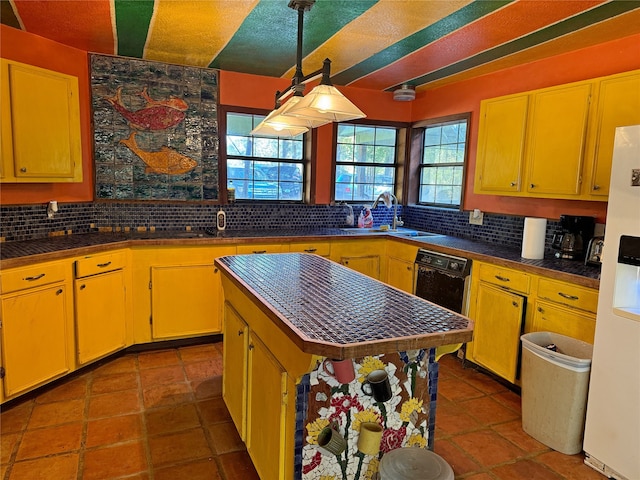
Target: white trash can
x,y
412,463
554,389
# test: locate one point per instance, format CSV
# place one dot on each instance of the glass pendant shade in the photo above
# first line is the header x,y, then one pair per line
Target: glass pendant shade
x,y
326,101
278,130
282,116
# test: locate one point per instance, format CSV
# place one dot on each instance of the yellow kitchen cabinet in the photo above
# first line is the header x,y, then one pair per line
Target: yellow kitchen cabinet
x,y
401,259
364,256
501,143
37,326
234,378
549,317
102,305
41,139
250,248
557,129
618,105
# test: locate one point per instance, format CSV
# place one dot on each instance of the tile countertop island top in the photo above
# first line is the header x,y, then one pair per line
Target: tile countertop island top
x,y
330,310
21,253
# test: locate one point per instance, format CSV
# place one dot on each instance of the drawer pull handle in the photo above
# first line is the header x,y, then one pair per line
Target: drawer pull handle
x,y
259,251
102,265
311,250
568,297
502,279
37,277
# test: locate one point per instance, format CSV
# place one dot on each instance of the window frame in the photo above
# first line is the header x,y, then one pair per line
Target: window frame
x,y
306,161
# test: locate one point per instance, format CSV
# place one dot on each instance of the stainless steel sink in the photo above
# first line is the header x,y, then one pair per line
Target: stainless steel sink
x,y
405,232
418,234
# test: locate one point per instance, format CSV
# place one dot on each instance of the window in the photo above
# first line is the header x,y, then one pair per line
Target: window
x,y
263,168
365,162
442,164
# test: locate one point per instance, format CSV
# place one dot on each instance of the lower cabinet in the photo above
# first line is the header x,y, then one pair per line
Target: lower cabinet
x,y
234,361
548,317
400,274
364,256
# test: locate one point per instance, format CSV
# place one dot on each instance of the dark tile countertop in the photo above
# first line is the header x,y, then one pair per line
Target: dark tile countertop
x,y
20,253
330,310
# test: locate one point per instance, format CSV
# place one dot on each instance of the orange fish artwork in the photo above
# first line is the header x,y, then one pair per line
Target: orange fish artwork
x,y
167,160
156,115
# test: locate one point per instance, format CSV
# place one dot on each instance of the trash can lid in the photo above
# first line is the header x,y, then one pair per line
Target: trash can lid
x,y
414,463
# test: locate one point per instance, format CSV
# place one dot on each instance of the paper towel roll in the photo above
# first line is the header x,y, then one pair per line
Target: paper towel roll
x,y
533,238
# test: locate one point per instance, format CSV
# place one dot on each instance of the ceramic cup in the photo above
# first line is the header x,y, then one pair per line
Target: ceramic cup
x,y
370,437
331,440
341,370
377,385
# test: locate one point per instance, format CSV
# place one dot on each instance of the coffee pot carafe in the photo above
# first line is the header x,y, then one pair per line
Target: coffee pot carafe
x,y
576,232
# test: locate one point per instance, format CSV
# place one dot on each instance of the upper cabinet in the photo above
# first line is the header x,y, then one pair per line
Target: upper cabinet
x,y
41,139
555,142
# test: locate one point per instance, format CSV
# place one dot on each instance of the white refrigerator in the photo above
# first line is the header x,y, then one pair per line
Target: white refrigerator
x,y
612,430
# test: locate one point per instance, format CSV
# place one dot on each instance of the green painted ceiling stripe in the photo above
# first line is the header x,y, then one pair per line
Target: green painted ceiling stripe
x,y
586,19
274,25
132,26
406,46
8,16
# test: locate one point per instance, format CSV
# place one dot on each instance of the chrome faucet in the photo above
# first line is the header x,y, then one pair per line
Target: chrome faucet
x,y
389,199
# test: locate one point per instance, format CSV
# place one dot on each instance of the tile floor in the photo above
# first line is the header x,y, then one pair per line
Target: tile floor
x,y
160,415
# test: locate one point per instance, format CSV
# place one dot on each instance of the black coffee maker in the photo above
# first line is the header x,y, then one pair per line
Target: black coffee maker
x,y
576,231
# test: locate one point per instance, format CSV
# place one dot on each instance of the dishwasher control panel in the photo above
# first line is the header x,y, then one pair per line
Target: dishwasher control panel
x,y
440,261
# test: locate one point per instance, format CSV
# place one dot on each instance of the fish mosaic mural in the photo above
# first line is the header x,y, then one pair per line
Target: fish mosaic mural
x,y
167,160
156,115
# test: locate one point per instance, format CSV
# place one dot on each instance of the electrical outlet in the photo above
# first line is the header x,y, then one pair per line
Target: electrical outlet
x,y
476,217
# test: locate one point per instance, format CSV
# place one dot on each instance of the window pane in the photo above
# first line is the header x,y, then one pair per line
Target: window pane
x,y
346,133
240,124
385,154
365,135
432,136
386,136
344,153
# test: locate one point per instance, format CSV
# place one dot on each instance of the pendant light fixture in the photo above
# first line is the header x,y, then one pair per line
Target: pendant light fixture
x,y
324,104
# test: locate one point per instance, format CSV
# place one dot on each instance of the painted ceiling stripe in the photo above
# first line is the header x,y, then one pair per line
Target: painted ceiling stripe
x,y
132,25
273,26
406,46
502,26
8,15
376,29
85,25
613,29
564,27
193,32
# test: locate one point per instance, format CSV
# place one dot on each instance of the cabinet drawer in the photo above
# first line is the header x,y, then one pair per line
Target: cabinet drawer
x,y
548,317
323,248
568,294
262,248
100,263
29,277
505,277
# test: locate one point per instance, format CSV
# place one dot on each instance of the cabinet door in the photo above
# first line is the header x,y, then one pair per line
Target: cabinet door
x,y
565,321
234,378
41,125
618,105
266,411
35,337
400,274
556,140
368,265
501,144
185,301
498,324
101,315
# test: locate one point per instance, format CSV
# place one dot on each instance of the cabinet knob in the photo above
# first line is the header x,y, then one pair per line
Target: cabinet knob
x,y
408,268
513,184
23,169
240,332
540,310
251,346
59,292
531,185
515,304
83,286
596,187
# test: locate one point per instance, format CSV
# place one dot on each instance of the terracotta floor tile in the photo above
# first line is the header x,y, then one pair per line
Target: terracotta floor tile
x,y
177,447
50,441
15,418
161,358
153,377
207,388
525,469
571,467
510,400
73,389
480,476
237,465
171,394
114,383
204,369
8,442
128,363
513,432
110,430
214,410
451,418
455,390
487,447
487,411
200,470
116,461
174,418
459,461
56,413
198,353
116,403
47,468
225,438
482,382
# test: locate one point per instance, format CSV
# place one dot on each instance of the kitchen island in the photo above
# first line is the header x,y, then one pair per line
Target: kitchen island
x,y
284,315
